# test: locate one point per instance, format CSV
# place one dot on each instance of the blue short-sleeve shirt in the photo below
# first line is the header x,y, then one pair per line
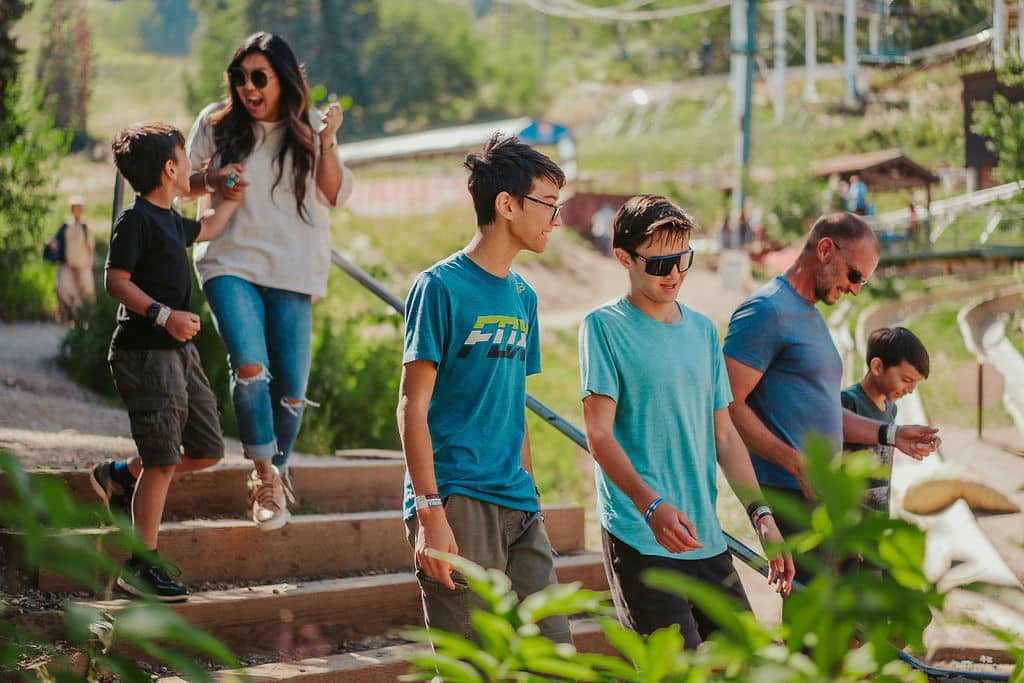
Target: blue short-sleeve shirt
x,y
781,334
481,331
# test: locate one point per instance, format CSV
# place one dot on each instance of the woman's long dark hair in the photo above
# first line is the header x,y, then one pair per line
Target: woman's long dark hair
x,y
234,134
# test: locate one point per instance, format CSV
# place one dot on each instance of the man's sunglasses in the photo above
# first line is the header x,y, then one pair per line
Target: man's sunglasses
x,y
852,274
660,266
237,77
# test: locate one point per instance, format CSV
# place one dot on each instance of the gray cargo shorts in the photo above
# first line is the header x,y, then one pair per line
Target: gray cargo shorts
x,y
170,404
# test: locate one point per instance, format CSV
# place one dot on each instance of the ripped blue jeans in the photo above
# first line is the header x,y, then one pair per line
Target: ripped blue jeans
x,y
270,329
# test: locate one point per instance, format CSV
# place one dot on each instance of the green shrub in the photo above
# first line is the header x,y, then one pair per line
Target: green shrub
x,y
354,377
29,149
28,292
83,352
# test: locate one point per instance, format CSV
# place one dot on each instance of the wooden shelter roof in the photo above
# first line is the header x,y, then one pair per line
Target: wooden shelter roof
x,y
883,171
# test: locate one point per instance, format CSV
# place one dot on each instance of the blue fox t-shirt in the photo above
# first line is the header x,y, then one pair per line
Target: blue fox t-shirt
x,y
667,381
781,334
481,331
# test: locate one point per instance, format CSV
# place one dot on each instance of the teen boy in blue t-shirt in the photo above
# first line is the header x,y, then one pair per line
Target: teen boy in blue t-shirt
x,y
656,406
471,339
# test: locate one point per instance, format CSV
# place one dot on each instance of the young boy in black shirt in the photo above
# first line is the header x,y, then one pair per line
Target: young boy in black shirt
x,y
155,366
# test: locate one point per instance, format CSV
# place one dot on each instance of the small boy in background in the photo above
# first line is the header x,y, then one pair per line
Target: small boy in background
x,y
155,366
897,361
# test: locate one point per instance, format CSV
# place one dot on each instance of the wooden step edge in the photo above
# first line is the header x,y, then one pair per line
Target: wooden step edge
x,y
378,665
214,610
310,545
324,485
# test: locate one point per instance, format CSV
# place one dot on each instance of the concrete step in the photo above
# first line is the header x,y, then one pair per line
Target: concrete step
x,y
261,618
323,485
308,546
376,665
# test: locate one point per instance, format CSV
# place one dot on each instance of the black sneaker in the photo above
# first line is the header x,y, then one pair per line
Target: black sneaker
x,y
143,579
117,497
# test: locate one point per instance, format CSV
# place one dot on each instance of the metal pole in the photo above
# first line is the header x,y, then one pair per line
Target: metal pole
x,y
118,198
780,60
743,22
981,386
874,21
999,32
850,53
811,52
1020,29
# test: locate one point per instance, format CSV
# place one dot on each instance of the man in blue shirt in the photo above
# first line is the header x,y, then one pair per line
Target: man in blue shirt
x,y
785,372
655,404
471,339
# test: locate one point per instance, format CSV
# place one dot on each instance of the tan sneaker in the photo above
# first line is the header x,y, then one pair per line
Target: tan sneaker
x,y
267,500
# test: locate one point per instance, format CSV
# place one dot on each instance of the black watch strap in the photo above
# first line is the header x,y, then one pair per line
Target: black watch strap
x,y
153,311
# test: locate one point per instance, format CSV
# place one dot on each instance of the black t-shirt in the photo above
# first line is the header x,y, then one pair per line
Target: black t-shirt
x,y
150,243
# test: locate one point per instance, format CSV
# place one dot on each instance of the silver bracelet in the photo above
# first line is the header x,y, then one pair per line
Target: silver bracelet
x,y
206,183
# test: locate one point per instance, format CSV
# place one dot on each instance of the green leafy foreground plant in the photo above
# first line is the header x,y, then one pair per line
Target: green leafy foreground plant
x,y
40,511
844,626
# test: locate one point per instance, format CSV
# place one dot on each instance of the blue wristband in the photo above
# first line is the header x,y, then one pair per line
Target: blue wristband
x,y
651,508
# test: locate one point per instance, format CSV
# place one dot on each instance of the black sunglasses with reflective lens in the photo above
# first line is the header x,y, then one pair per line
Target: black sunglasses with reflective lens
x,y
660,266
555,208
852,274
237,77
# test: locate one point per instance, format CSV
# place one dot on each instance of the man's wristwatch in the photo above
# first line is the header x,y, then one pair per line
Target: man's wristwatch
x,y
887,434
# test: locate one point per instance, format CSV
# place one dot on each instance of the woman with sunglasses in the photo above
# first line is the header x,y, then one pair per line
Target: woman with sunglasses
x,y
261,275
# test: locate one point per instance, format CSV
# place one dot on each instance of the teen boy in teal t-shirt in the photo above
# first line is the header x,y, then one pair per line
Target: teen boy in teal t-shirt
x,y
655,403
471,339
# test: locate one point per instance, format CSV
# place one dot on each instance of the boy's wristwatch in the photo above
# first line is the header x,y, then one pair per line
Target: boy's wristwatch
x,y
158,313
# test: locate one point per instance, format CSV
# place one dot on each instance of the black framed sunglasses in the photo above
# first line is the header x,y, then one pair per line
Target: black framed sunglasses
x,y
660,266
852,274
238,76
555,208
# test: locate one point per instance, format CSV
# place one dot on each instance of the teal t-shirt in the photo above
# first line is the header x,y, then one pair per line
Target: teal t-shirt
x,y
854,399
666,380
481,331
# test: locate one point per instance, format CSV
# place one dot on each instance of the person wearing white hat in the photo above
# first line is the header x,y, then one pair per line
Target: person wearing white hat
x,y
74,277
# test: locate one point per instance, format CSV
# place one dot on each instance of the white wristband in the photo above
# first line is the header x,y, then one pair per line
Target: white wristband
x,y
162,316
428,501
